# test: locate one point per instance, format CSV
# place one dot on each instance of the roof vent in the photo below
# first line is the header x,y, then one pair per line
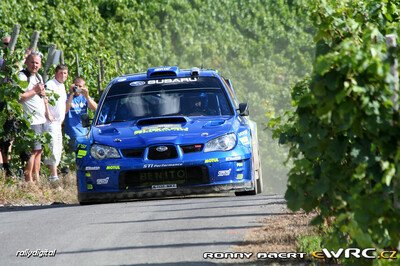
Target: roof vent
x,y
164,71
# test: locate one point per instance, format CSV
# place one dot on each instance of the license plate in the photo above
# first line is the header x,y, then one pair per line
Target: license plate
x,y
165,186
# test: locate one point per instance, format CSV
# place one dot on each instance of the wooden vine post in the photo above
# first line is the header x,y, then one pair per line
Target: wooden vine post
x,y
100,75
49,60
34,41
78,73
392,44
14,37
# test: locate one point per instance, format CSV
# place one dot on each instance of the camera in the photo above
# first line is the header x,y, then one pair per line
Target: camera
x,y
77,89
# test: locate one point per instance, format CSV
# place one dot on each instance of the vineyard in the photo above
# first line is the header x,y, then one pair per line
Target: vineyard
x,y
344,131
319,77
263,46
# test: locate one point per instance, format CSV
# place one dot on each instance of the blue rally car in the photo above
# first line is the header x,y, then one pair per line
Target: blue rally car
x,y
168,132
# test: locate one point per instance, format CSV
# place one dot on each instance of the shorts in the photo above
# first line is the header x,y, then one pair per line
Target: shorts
x,y
4,146
39,130
9,129
56,144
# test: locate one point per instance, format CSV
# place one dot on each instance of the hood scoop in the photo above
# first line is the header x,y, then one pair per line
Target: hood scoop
x,y
161,121
214,123
108,131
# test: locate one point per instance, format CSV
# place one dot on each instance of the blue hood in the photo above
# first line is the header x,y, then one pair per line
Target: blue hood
x,y
156,131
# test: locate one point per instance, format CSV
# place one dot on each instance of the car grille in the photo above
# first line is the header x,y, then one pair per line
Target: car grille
x,y
192,148
180,176
162,152
132,153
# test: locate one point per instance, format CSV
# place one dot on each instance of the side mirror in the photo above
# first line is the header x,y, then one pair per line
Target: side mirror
x,y
243,109
85,120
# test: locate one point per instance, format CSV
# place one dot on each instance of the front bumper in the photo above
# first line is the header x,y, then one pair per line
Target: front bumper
x,y
88,197
137,178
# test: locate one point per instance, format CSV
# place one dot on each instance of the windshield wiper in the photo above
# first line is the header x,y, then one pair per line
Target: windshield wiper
x,y
118,120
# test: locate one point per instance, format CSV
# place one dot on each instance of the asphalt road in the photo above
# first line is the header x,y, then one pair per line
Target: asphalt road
x,y
164,231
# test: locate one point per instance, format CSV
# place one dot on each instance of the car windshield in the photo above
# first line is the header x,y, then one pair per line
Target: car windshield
x,y
131,102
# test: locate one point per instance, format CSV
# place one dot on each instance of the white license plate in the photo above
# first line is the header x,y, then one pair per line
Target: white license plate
x,y
165,186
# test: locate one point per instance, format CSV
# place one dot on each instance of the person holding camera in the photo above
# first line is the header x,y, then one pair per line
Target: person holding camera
x,y
55,119
78,102
34,106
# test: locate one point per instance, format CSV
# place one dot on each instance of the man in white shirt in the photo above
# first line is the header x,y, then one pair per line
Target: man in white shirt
x,y
34,107
56,118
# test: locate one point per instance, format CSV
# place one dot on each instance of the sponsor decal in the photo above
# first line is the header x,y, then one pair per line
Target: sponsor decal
x,y
177,80
233,158
212,160
239,176
102,181
157,177
121,79
156,130
224,172
113,167
81,154
162,68
137,83
244,140
81,146
165,186
89,186
162,165
87,174
92,168
243,133
239,164
205,134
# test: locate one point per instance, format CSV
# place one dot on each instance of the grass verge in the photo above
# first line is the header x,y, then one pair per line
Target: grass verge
x,y
17,192
289,232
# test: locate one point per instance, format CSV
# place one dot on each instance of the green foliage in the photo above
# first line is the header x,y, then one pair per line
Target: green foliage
x,y
264,46
343,133
309,243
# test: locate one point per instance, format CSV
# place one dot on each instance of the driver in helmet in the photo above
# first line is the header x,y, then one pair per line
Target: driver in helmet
x,y
199,106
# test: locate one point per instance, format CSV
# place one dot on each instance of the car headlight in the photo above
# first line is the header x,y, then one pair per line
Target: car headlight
x,y
100,152
224,143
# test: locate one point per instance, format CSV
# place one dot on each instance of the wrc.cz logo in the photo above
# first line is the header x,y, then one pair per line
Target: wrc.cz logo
x,y
367,253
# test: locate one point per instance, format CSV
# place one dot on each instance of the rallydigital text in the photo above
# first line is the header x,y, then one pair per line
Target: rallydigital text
x,y
27,253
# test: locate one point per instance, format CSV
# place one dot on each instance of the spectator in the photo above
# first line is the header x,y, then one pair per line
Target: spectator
x,y
5,141
78,102
6,40
55,118
34,106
